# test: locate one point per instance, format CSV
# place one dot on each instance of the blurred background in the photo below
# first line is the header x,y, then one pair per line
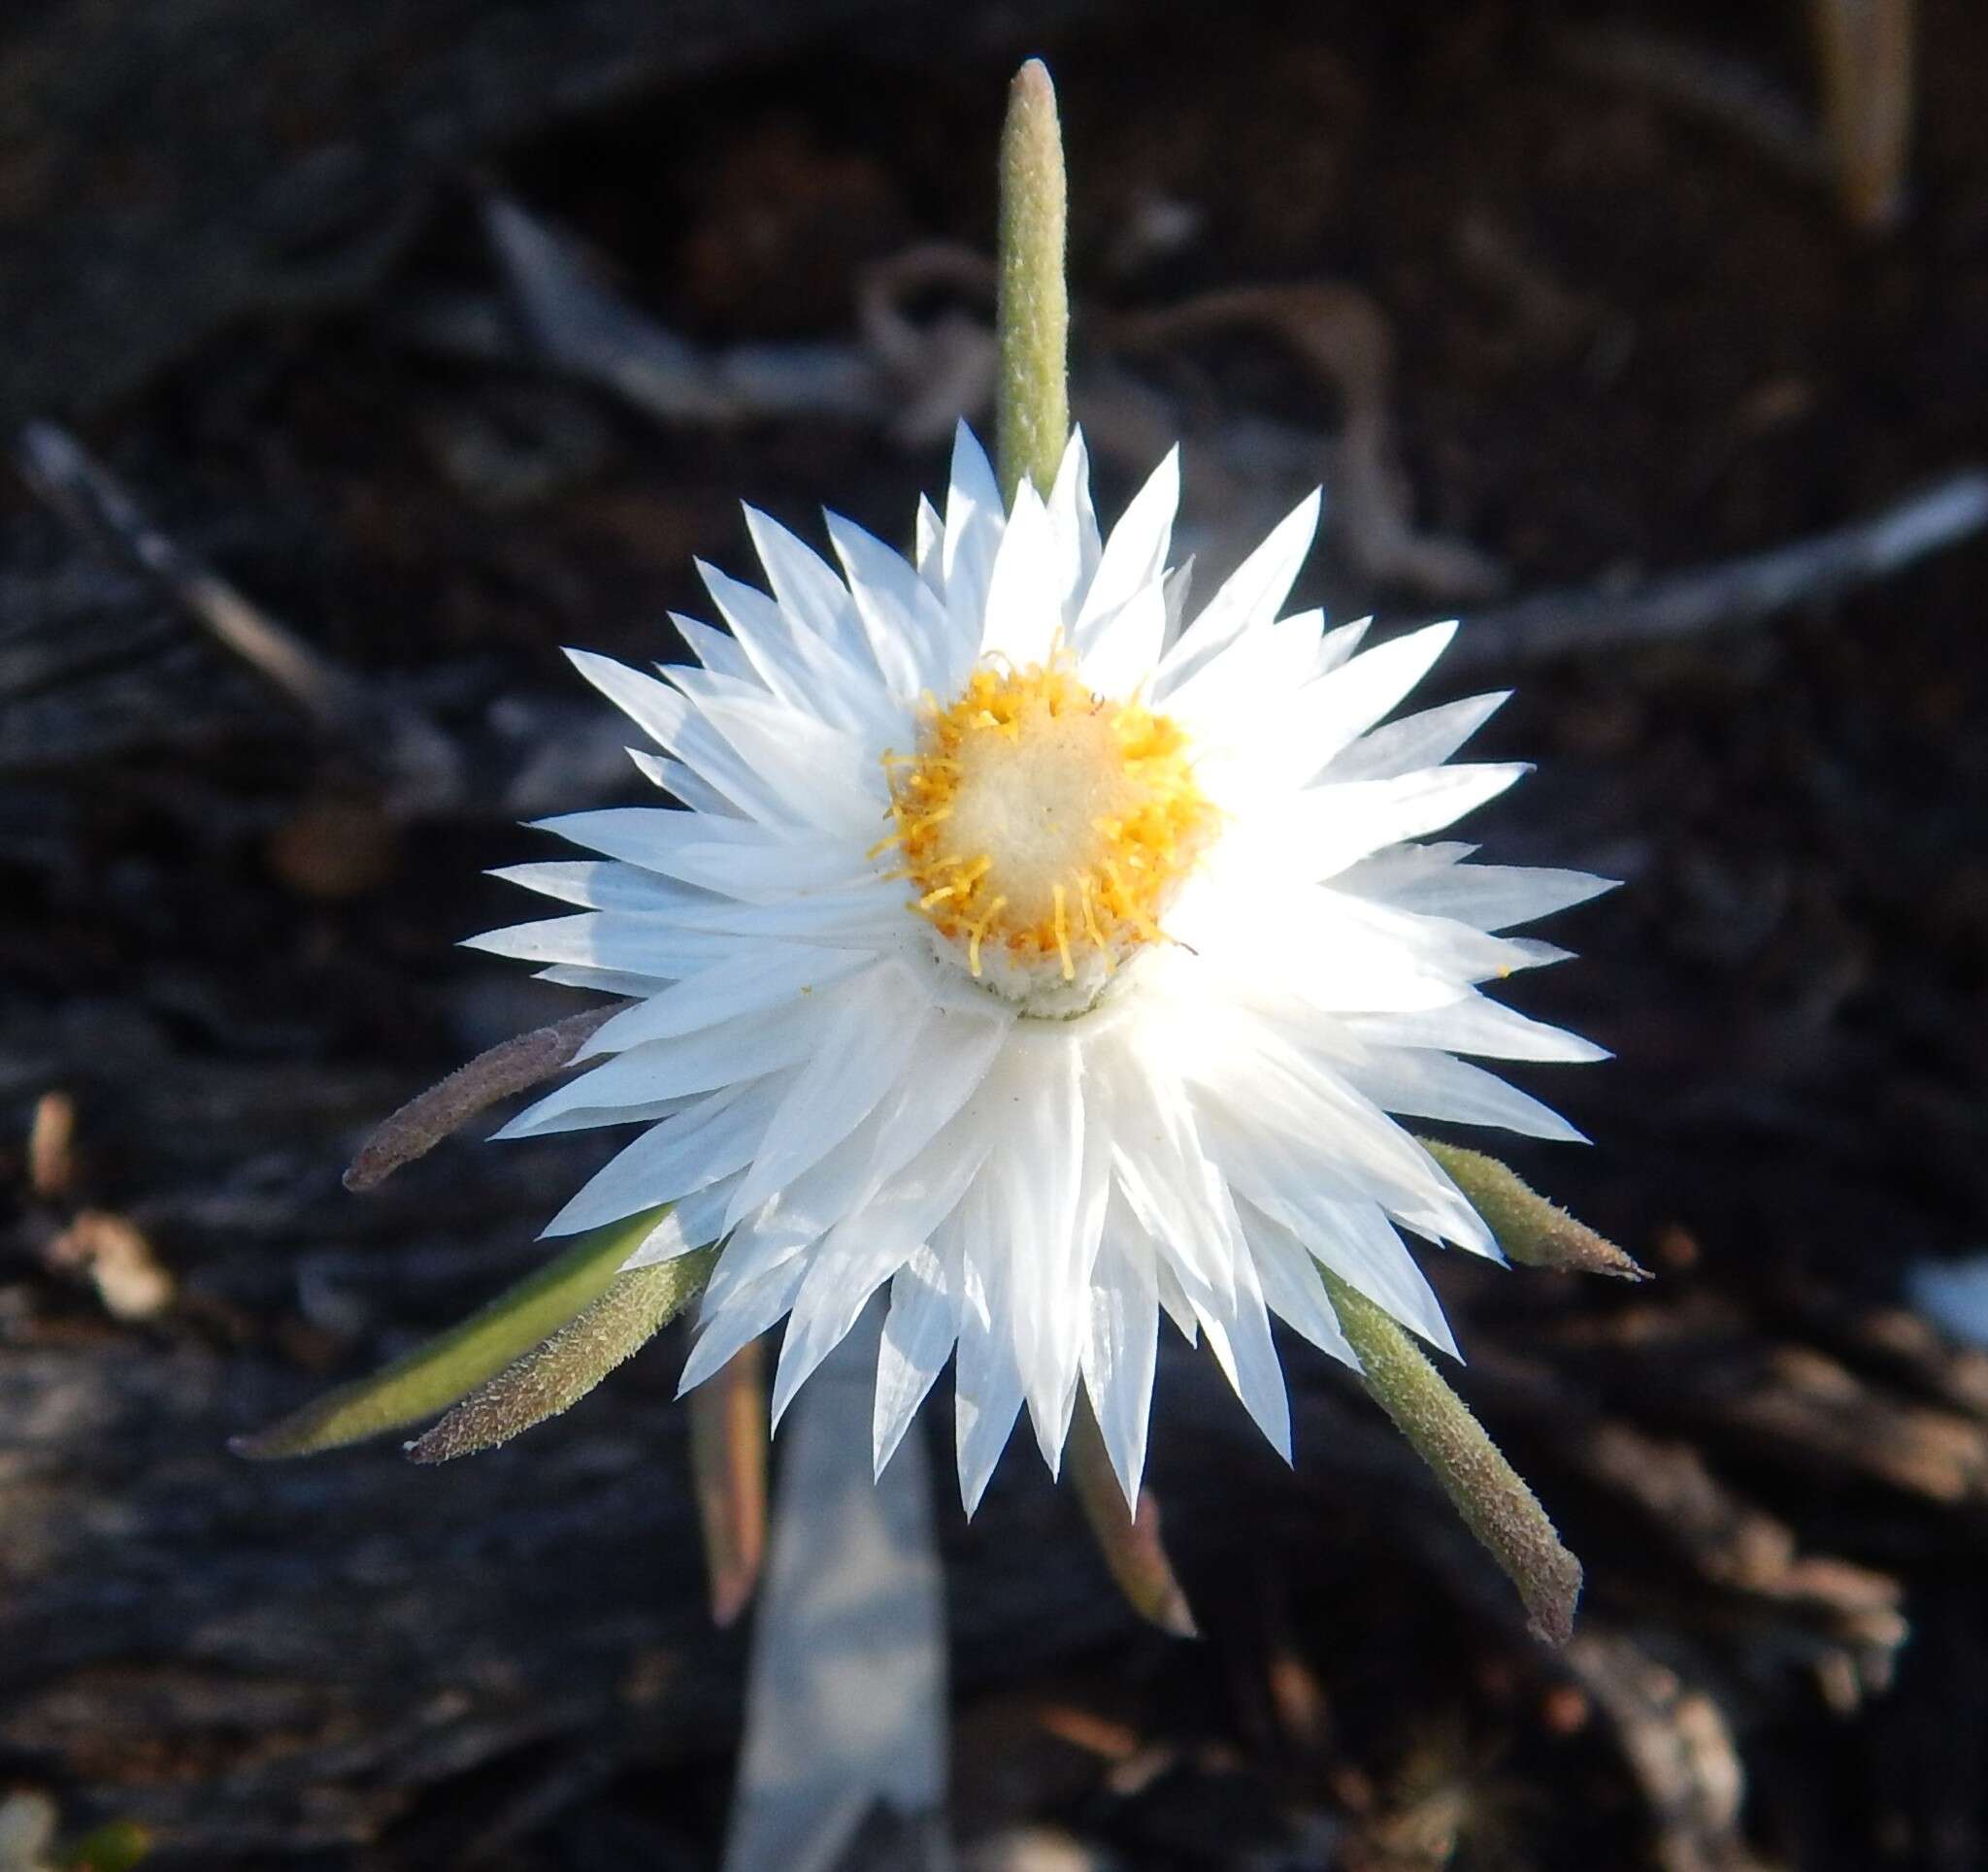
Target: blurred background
x,y
354,359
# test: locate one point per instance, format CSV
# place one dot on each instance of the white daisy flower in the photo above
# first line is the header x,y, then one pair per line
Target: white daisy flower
x,y
1051,964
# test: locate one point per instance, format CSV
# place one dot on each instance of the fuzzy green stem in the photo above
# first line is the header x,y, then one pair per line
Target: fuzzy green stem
x,y
1032,311
1488,1492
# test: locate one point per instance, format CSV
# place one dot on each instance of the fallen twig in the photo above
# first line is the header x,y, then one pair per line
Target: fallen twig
x,y
84,493
1731,592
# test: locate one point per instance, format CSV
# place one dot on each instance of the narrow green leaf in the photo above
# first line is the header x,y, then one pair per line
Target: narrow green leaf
x,y
636,1306
1032,297
1129,1543
435,1375
1533,1232
1495,1504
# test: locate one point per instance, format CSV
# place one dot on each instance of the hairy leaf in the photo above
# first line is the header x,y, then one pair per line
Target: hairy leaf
x,y
435,1375
637,1304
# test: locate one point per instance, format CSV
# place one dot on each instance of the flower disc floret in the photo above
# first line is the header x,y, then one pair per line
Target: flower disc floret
x,y
1045,830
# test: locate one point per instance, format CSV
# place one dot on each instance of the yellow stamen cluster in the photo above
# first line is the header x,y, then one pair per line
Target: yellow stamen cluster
x,y
1042,827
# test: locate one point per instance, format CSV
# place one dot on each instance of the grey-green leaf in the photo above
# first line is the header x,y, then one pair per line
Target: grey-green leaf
x,y
635,1306
1489,1494
1532,1230
435,1375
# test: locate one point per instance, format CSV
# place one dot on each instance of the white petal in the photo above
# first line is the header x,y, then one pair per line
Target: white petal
x,y
1266,1091
597,886
604,981
865,916
1291,1287
1424,740
840,1277
733,856
691,1223
687,787
1425,1084
930,543
1232,693
1023,613
908,628
760,976
675,723
1039,1166
717,652
1174,1301
637,943
1121,1344
1238,1333
820,775
953,1057
795,665
1496,897
1125,643
1338,644
989,1382
975,521
725,1331
1173,1187
919,1333
847,1266
859,1056
1135,555
1073,526
811,596
720,1056
1481,1026
1356,1242
709,1142
1249,598
1338,708
1333,826
1460,952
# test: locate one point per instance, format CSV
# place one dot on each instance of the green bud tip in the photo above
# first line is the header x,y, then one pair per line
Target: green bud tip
x,y
1032,297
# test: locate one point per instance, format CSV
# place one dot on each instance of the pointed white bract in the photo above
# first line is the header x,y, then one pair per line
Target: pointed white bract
x,y
850,1104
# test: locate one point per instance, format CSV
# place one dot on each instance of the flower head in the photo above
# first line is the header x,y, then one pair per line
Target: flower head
x,y
1054,963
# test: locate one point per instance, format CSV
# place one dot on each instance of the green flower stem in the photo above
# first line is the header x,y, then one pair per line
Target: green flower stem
x,y
635,1306
436,1375
1032,310
1496,1505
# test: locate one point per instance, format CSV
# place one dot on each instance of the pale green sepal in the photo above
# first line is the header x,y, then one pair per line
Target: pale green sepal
x,y
433,1376
1532,1230
636,1306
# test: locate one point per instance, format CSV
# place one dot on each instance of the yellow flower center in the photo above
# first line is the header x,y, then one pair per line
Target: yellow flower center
x,y
1045,830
